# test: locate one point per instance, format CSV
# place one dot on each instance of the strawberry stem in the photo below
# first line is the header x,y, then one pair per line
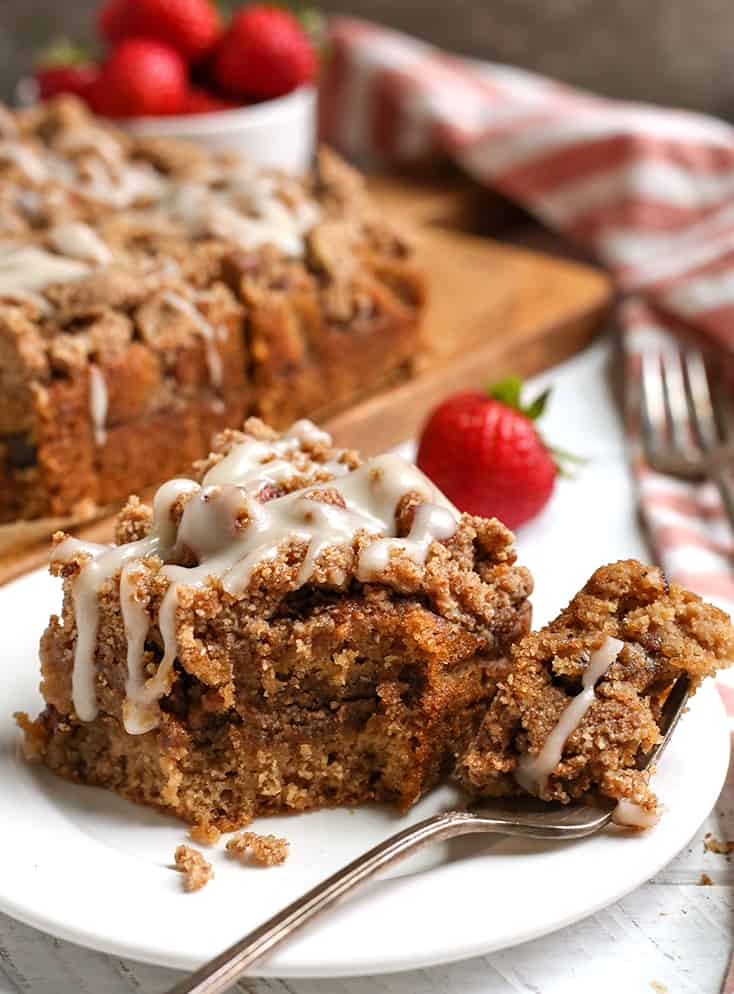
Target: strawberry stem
x,y
535,409
562,457
509,392
64,52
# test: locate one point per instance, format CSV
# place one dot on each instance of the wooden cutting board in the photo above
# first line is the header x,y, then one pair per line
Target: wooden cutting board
x,y
494,309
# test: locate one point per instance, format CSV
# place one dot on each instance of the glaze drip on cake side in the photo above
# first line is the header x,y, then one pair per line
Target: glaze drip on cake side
x,y
98,403
230,533
206,330
532,772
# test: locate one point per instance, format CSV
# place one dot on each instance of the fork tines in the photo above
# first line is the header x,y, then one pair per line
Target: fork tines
x,y
684,420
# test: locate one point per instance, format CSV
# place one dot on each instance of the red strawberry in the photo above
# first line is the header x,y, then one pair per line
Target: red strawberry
x,y
112,20
485,453
264,53
141,77
204,102
192,27
65,68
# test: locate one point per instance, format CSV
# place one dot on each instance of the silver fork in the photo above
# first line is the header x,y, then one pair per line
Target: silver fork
x,y
554,822
681,435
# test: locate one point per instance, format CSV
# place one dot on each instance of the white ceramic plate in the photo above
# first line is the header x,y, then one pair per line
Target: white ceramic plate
x,y
88,867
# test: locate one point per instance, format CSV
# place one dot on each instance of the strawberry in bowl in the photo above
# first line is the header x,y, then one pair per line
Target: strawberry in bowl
x,y
65,68
141,76
191,27
174,68
264,53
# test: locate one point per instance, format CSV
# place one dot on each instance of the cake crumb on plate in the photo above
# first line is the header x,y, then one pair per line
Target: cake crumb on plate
x,y
705,880
267,850
712,844
197,871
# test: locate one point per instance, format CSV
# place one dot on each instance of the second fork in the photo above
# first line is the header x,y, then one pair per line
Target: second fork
x,y
681,433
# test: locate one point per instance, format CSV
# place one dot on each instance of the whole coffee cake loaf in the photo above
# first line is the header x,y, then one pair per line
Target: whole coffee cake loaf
x,y
291,628
152,294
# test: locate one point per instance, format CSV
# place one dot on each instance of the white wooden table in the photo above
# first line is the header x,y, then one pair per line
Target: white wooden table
x,y
673,934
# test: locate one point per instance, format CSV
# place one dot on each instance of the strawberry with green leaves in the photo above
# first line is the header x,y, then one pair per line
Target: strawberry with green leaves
x,y
485,453
65,68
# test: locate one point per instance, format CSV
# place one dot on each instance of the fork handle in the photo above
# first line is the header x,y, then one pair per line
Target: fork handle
x,y
220,973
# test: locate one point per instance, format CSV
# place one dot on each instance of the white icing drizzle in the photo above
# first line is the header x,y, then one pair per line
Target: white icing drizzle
x,y
138,183
32,297
103,562
631,815
79,241
244,463
430,522
230,534
205,329
532,772
25,159
307,434
91,139
137,624
30,202
235,201
253,464
28,267
121,186
98,403
262,219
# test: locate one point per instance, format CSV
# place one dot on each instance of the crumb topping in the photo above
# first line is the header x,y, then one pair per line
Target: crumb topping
x,y
261,524
94,222
196,870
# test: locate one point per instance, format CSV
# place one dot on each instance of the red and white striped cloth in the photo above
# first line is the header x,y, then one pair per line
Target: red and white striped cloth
x,y
649,190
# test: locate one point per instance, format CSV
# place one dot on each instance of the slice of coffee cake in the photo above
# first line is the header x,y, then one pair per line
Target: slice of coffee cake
x,y
582,703
291,629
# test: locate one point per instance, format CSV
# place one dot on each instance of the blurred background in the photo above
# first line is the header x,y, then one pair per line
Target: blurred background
x,y
675,52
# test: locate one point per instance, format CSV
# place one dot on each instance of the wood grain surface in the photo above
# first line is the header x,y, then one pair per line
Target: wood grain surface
x,y
494,309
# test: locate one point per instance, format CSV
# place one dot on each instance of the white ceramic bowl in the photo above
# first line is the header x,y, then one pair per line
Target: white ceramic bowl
x,y
280,133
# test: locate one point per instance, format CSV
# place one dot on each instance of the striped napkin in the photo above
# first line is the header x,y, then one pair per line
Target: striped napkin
x,y
649,190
